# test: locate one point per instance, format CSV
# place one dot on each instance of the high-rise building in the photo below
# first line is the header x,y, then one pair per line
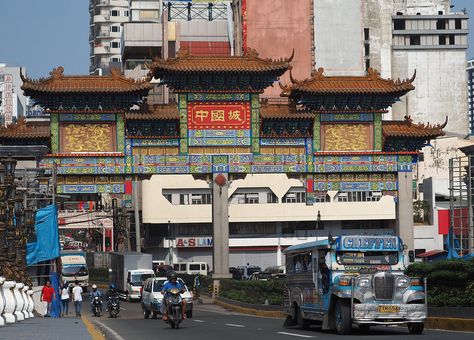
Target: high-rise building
x,y
106,18
401,37
470,95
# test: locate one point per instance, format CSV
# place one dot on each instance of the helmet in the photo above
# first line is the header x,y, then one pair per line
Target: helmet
x,y
94,287
112,286
172,275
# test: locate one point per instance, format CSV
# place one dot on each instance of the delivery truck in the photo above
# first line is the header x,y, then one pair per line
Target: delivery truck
x,y
74,268
129,271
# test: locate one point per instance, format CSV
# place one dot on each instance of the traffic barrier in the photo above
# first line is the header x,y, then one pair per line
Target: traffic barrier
x,y
2,301
31,305
19,301
25,302
9,301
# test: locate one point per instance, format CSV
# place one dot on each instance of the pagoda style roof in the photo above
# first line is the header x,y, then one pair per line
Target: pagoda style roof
x,y
370,91
155,112
284,112
59,83
26,130
218,73
407,129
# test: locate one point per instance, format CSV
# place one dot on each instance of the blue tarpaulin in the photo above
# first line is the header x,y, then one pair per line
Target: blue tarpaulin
x,y
46,246
56,304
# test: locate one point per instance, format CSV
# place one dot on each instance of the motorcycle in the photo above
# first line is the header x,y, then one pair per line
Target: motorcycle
x,y
174,307
114,307
96,306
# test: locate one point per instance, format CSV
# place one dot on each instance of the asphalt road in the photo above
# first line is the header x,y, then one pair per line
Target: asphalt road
x,y
211,322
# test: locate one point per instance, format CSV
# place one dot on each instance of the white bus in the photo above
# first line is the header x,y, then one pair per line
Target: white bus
x,y
191,268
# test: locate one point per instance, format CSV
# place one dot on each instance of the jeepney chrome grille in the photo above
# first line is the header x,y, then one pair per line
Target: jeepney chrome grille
x,y
384,286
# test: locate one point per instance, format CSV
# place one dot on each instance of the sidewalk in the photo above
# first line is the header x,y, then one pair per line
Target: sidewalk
x,y
38,328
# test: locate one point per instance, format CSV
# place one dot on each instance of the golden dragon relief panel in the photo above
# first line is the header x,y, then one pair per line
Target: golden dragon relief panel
x,y
88,138
347,137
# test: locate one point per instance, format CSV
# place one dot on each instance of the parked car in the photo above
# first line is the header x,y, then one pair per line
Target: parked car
x,y
271,273
152,297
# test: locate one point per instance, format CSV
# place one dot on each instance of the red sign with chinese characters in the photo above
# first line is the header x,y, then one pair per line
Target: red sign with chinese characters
x,y
219,116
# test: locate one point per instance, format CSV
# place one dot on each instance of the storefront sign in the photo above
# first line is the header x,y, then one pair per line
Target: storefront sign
x,y
219,116
7,99
194,242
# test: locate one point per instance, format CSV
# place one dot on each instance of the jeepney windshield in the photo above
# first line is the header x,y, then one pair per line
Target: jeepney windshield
x,y
367,258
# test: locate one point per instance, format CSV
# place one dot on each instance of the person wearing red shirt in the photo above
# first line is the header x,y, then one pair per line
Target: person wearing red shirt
x,y
47,296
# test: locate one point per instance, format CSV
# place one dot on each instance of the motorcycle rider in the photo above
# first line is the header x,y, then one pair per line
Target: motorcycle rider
x,y
95,292
111,294
170,284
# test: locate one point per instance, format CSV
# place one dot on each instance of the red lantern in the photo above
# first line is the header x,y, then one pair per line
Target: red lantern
x,y
220,180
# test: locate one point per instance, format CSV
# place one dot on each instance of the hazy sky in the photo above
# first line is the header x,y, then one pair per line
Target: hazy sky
x,y
43,34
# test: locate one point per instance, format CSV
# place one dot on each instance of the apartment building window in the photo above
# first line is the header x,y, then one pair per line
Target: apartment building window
x,y
115,44
414,40
114,13
441,24
359,196
321,196
115,60
367,64
442,40
125,13
272,198
399,24
168,197
366,34
294,197
115,28
451,39
251,198
458,24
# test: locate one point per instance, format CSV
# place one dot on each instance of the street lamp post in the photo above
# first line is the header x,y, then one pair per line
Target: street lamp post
x,y
318,219
170,240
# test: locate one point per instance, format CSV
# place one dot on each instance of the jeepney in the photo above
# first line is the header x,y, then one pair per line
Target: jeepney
x,y
353,280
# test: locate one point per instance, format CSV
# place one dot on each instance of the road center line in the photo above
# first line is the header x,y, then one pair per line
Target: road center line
x,y
199,320
234,325
298,335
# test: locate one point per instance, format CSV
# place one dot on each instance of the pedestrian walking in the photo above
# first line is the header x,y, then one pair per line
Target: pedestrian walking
x,y
77,296
47,296
65,298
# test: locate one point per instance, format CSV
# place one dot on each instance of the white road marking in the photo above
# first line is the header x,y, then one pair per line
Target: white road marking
x,y
110,330
234,325
122,308
298,335
198,320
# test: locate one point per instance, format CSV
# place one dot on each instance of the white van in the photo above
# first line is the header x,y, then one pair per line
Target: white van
x,y
135,280
191,268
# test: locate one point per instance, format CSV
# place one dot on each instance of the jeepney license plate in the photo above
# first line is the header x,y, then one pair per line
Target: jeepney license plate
x,y
388,309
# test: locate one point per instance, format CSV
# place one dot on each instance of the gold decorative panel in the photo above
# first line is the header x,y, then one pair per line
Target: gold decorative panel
x,y
346,137
87,138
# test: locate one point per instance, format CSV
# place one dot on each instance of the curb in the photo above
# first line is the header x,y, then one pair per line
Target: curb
x,y
250,311
450,324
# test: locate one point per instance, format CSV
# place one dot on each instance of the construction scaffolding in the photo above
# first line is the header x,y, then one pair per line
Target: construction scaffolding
x,y
461,189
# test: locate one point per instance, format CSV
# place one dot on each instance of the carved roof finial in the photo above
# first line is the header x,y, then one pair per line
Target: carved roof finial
x,y
250,53
183,53
115,73
57,73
